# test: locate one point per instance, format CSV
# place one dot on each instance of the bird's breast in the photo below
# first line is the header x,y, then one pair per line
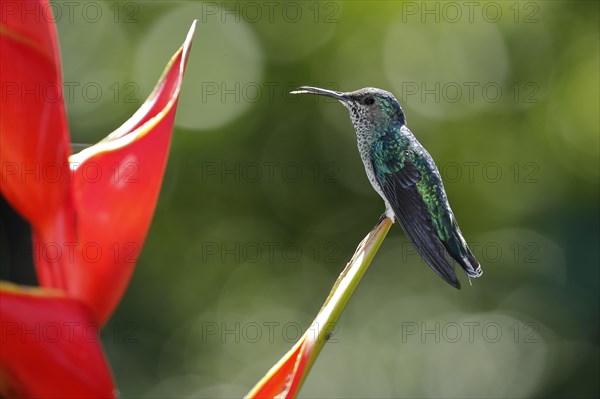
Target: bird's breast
x,y
364,143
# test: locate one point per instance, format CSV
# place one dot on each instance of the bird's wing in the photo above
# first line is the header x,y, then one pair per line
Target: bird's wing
x,y
399,178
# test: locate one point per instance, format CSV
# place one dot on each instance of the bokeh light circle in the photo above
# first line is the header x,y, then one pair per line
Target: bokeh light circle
x,y
446,70
226,63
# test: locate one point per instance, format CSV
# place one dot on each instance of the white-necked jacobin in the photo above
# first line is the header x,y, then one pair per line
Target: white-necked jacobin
x,y
405,176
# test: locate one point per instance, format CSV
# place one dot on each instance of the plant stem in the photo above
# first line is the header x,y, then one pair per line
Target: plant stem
x,y
343,289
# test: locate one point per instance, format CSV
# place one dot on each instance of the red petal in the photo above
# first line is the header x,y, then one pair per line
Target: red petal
x,y
34,138
50,347
281,380
116,186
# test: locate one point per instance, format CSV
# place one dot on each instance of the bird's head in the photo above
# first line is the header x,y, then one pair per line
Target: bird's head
x,y
370,108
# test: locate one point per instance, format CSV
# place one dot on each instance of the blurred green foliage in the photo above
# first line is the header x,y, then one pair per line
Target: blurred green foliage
x,y
265,197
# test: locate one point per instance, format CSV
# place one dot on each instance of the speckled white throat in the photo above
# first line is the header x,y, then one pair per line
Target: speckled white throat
x,y
364,139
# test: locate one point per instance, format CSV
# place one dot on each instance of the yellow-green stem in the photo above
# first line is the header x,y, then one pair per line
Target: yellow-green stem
x,y
343,289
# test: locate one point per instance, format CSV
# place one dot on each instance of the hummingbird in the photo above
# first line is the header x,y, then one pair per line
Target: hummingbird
x,y
405,176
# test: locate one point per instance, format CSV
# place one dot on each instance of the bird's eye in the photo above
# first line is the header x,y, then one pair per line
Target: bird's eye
x,y
369,101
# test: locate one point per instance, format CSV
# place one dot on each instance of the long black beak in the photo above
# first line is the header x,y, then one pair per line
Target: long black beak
x,y
321,92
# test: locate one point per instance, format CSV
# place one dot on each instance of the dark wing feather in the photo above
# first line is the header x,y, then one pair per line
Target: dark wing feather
x,y
401,191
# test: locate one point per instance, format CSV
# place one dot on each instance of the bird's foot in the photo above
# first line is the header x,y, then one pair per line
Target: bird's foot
x,y
389,213
386,214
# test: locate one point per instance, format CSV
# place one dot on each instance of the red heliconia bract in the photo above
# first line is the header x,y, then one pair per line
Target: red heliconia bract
x,y
89,212
33,123
50,348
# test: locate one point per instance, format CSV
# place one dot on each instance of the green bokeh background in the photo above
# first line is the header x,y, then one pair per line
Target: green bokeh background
x,y
265,198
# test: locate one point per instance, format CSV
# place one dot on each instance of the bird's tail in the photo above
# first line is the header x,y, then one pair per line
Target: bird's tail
x,y
470,264
457,247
